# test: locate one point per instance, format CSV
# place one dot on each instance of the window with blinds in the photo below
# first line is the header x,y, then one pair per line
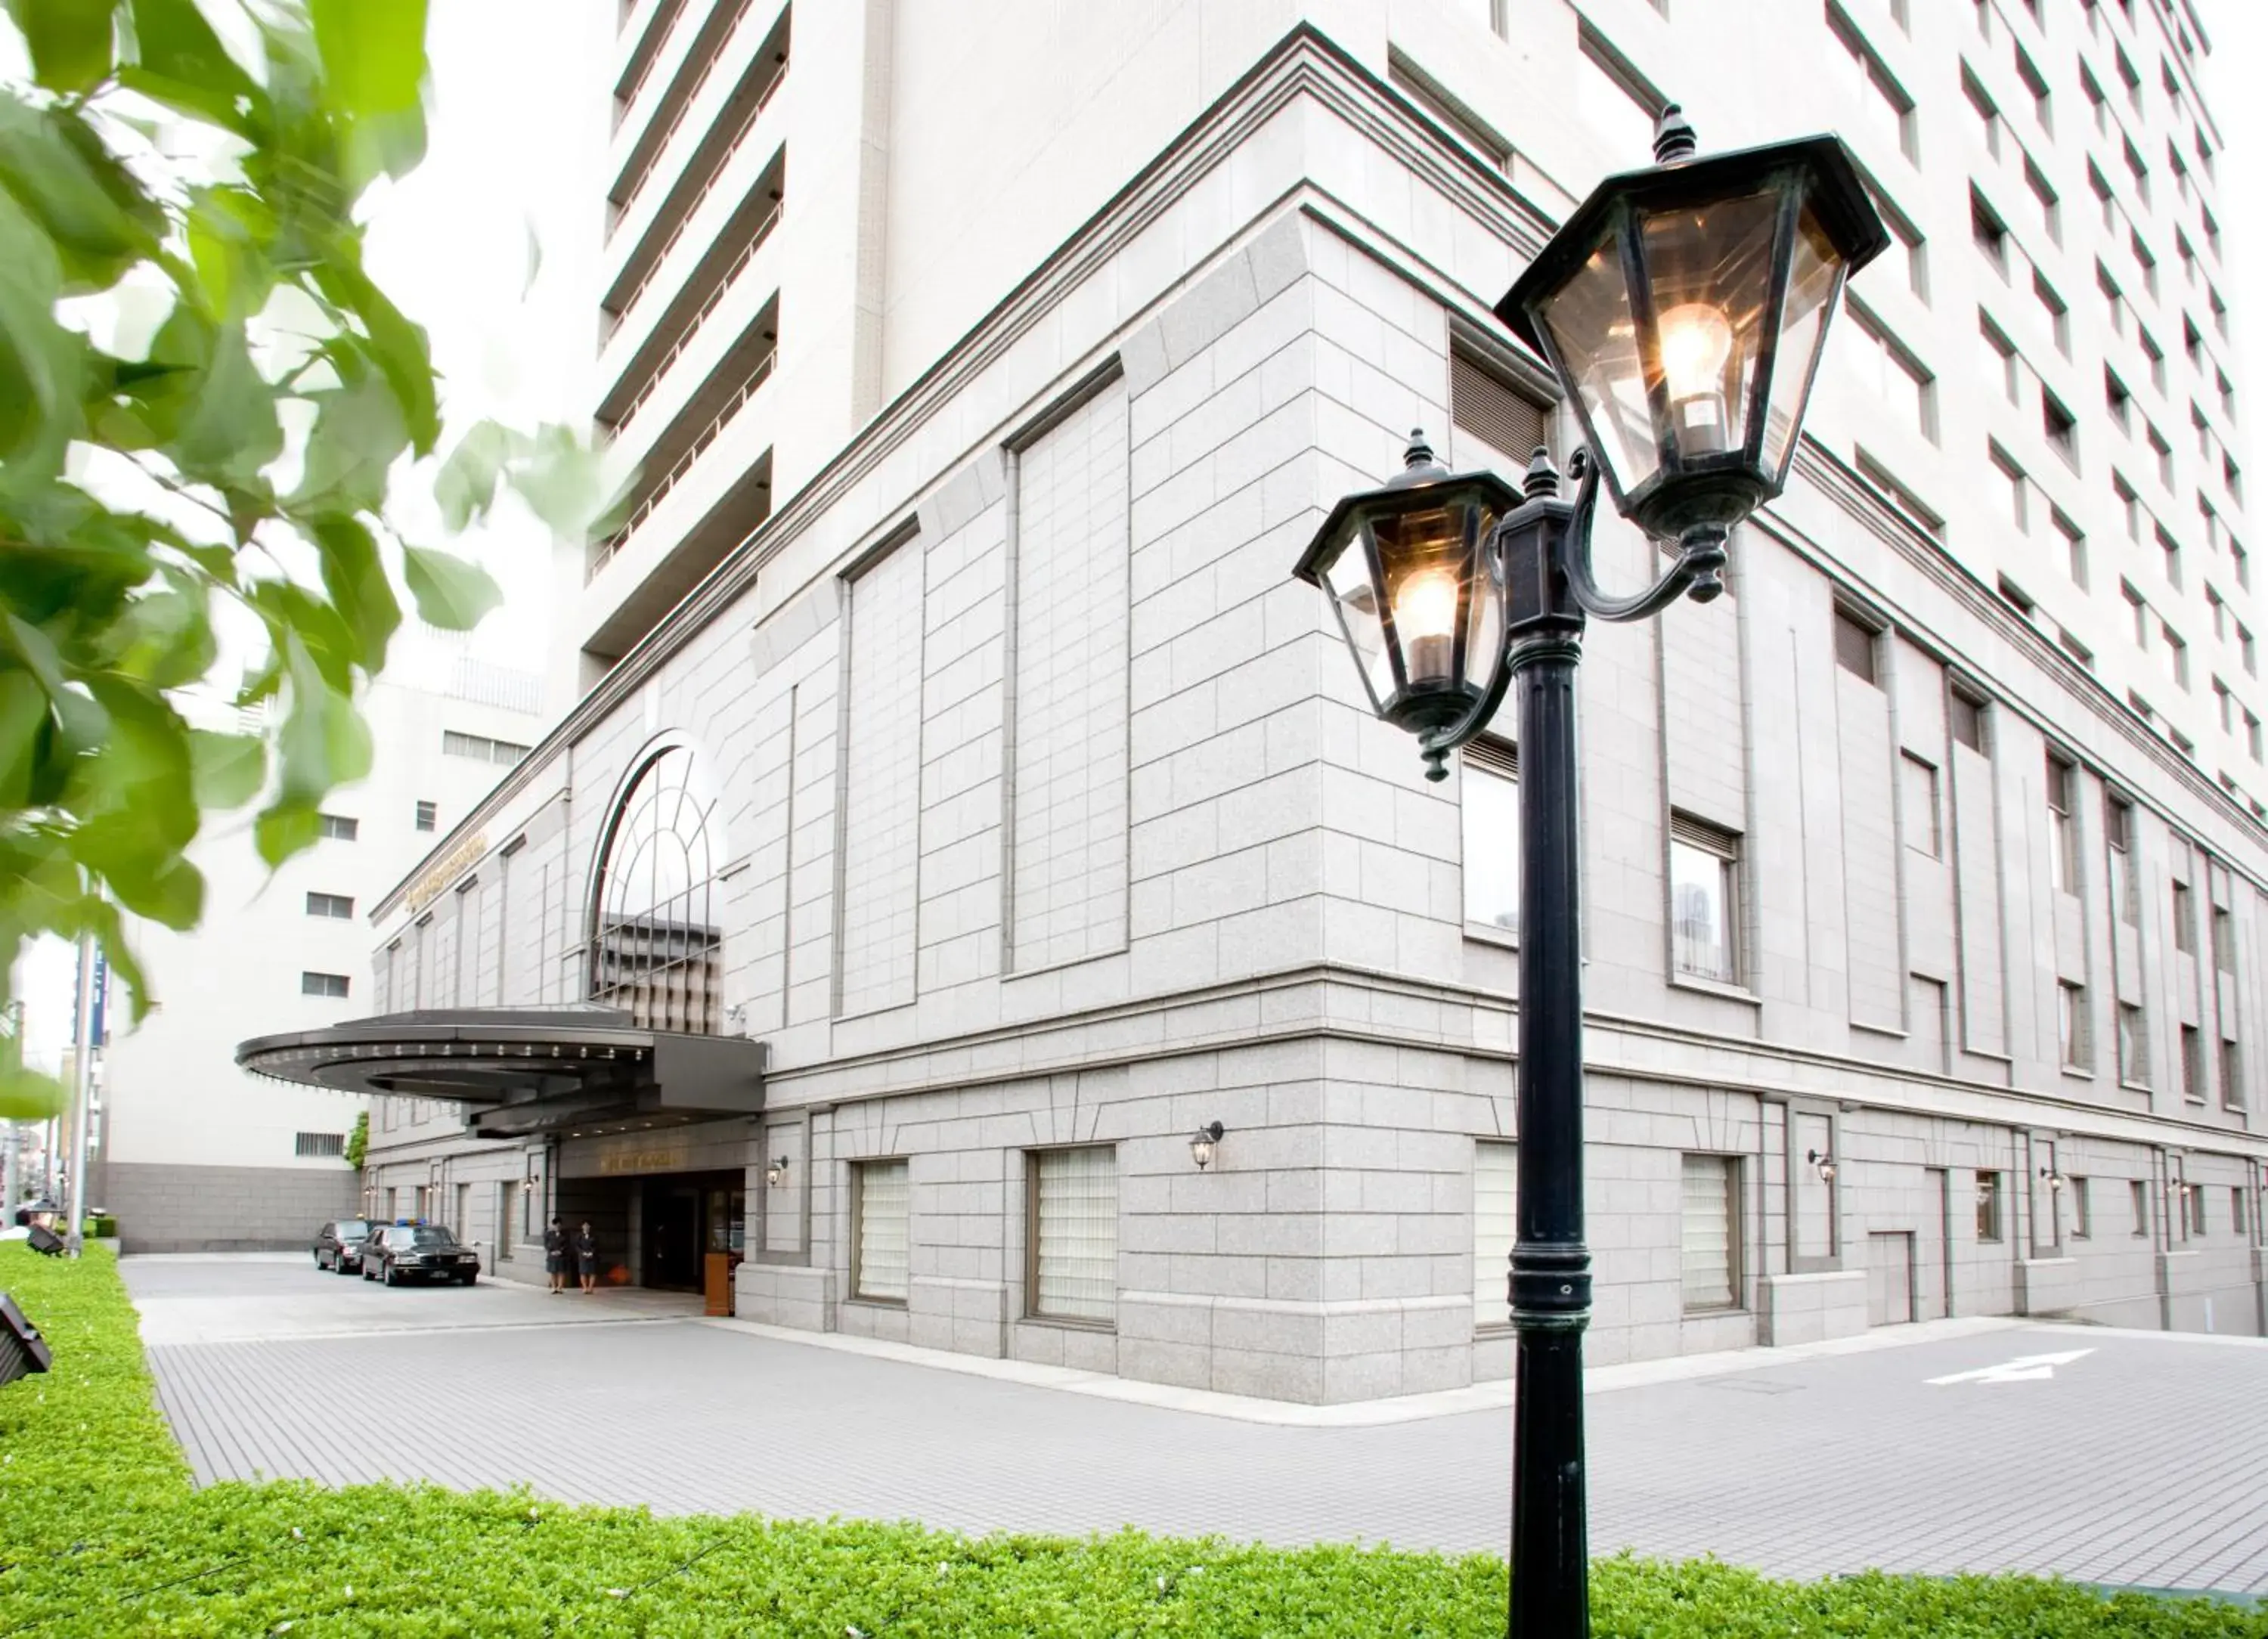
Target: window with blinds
x,y
1074,1257
1491,425
884,1200
1495,1173
1711,1238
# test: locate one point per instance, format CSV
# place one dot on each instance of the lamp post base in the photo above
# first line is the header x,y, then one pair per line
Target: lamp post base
x,y
1551,1580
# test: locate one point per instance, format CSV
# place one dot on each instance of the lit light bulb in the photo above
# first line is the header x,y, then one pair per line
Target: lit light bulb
x,y
1425,617
1696,342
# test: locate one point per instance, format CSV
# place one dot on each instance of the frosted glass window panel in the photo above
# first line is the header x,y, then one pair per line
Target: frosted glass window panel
x,y
1075,1252
884,1202
1495,1201
1710,1235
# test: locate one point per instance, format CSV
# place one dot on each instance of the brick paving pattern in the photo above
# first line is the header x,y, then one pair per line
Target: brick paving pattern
x,y
2140,1464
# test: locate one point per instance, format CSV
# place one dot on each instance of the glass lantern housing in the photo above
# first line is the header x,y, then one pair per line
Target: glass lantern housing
x,y
1685,307
1417,591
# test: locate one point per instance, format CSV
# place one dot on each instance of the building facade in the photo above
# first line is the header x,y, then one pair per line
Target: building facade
x,y
193,1153
955,739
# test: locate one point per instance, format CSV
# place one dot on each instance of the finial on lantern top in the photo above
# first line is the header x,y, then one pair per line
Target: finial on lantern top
x,y
1672,135
1543,478
1419,453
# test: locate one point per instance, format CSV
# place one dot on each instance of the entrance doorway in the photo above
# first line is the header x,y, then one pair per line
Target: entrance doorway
x,y
685,1218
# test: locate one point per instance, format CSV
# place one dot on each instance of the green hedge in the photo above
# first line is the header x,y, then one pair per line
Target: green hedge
x,y
102,1534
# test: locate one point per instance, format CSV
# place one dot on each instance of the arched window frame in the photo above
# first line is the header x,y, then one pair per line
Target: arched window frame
x,y
683,991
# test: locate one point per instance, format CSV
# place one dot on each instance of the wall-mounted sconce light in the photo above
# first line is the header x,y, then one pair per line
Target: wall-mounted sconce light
x,y
1201,1145
1824,1161
2055,1180
776,1171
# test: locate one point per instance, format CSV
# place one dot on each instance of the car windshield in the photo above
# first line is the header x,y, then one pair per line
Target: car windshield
x,y
353,1229
423,1235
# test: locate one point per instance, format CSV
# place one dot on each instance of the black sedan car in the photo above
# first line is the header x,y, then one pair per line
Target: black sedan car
x,y
338,1245
396,1253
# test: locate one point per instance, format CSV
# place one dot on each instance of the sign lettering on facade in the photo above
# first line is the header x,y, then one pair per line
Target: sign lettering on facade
x,y
451,865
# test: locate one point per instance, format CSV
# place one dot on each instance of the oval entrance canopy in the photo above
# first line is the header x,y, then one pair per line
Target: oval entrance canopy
x,y
521,1071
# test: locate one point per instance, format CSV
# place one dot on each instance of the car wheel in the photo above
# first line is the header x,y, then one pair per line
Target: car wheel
x,y
392,1276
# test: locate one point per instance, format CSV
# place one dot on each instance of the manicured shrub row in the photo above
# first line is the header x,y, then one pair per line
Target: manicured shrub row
x,y
101,1535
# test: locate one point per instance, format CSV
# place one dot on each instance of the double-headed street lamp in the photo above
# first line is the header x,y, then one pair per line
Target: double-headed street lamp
x,y
1683,308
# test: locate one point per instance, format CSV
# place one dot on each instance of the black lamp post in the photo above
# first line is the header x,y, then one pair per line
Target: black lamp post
x,y
1683,308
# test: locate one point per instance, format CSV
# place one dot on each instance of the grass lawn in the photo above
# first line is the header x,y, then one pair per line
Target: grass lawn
x,y
102,1533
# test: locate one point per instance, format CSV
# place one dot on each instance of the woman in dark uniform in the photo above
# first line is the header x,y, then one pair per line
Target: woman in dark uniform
x,y
587,1257
555,1255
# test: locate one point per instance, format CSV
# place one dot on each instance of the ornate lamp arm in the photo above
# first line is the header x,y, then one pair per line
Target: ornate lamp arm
x,y
1698,570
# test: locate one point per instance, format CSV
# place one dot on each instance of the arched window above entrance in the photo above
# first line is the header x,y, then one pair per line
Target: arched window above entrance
x,y
657,949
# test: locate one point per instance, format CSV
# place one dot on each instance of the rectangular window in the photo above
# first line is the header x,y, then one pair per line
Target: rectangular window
x,y
1980,104
1495,1187
2012,490
337,826
2224,940
1965,715
2036,86
2063,833
322,984
337,906
2060,426
2057,315
2236,1208
428,816
1711,1239
882,1200
1854,646
2133,1046
2082,1211
2137,1192
1988,1205
1704,899
2184,919
2075,547
1074,1234
480,748
1881,101
2117,399
318,1146
2192,1063
2000,371
2044,195
1924,817
2232,1076
2071,1025
1489,823
2194,1196
1989,232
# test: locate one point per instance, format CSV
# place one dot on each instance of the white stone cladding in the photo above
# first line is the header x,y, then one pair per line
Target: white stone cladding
x,y
1258,320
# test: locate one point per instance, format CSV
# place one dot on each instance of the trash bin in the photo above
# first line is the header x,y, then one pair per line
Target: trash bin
x,y
22,1348
717,1283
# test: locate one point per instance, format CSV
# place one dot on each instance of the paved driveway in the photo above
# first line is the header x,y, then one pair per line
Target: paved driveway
x,y
2143,1460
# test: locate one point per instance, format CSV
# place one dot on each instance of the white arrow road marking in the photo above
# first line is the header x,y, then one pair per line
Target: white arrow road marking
x,y
2028,1369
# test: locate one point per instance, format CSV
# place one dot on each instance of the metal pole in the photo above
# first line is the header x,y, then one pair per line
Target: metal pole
x,y
1550,1265
82,1097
